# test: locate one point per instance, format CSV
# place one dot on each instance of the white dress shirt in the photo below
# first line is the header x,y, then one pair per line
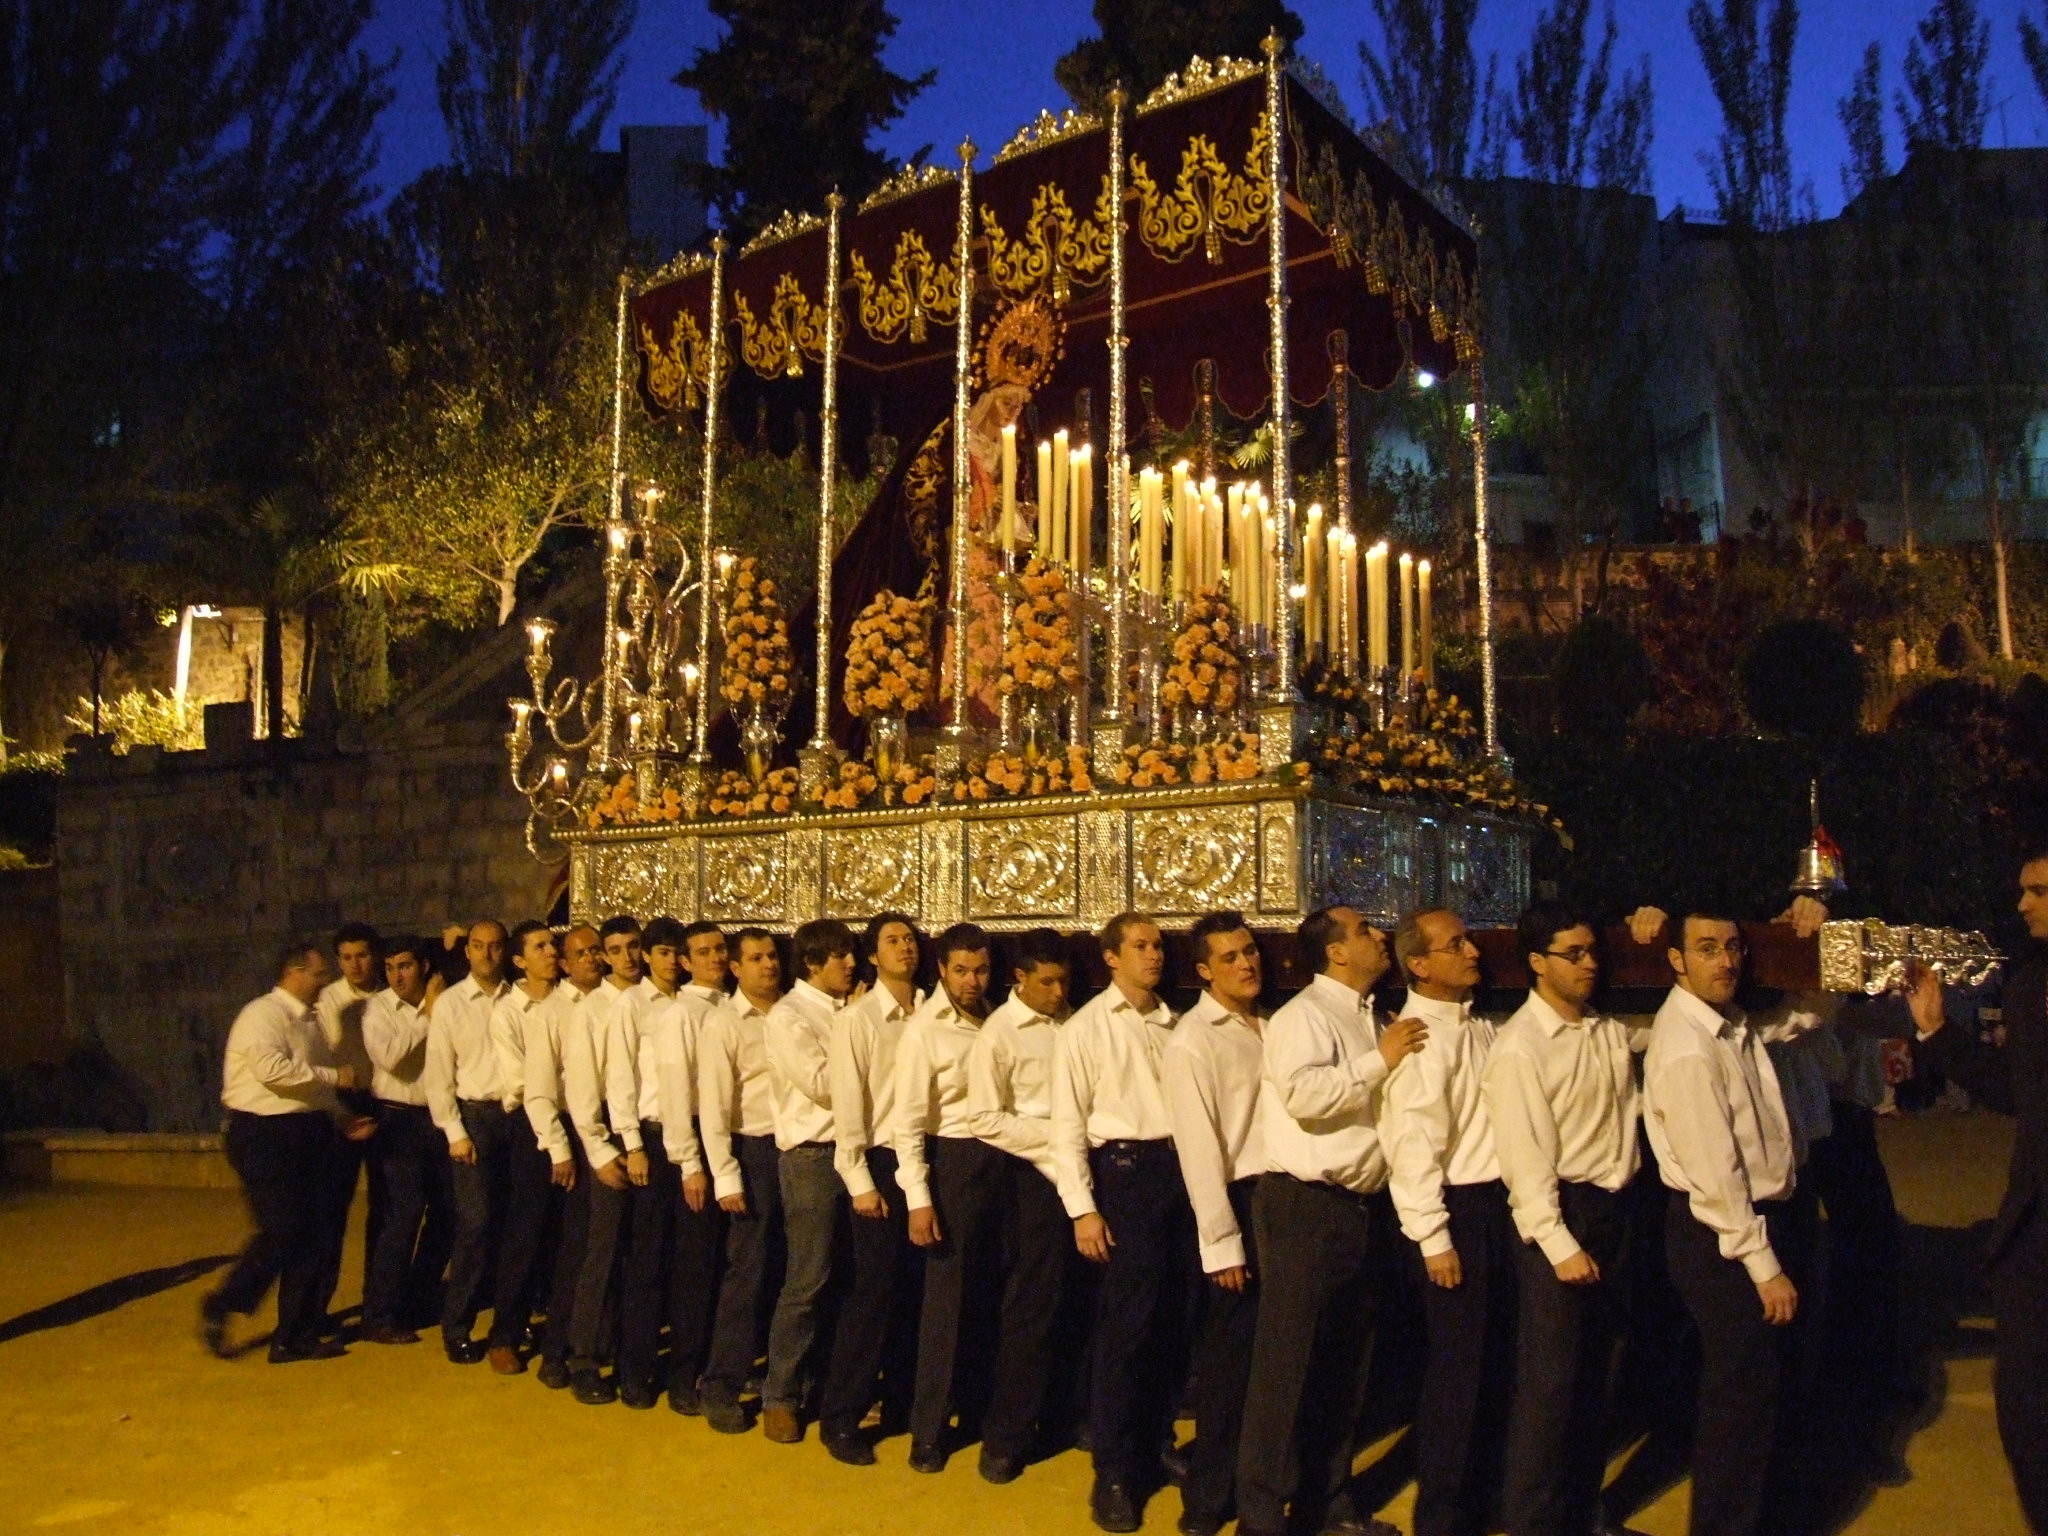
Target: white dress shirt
x,y
1434,1124
677,1025
1212,1070
462,1061
860,1062
1562,1099
1105,1087
931,1090
632,1077
586,1072
277,1061
798,1036
1009,1083
394,1036
341,1010
542,1023
734,1095
1717,1123
1319,1105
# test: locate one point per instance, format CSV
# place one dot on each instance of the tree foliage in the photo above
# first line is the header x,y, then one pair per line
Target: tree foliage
x,y
1749,67
1422,83
1138,43
1946,98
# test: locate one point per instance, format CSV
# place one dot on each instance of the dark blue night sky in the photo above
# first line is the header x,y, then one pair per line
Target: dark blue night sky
x,y
994,63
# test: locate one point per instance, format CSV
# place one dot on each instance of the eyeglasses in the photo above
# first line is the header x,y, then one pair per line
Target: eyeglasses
x,y
1455,946
1578,954
1710,949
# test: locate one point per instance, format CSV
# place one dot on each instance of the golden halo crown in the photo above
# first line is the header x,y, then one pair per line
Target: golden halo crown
x,y
1022,345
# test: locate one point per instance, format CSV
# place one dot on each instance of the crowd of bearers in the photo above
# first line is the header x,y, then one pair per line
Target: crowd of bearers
x,y
851,1201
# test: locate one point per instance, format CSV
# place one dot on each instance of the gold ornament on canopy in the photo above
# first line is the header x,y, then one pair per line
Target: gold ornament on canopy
x,y
1055,250
1209,201
917,289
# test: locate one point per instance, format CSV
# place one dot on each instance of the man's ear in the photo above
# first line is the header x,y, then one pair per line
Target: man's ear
x,y
1676,957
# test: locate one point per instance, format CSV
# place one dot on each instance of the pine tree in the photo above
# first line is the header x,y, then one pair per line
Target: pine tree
x,y
803,90
1421,84
1138,43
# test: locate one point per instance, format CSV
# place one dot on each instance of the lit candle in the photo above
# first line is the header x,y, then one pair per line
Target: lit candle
x,y
1081,497
1269,565
1181,529
1010,489
1376,606
1151,532
1428,639
1407,614
1046,521
1211,544
1312,582
1351,598
1062,465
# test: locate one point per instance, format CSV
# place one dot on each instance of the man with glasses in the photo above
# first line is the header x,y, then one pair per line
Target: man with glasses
x,y
1453,1206
1560,1090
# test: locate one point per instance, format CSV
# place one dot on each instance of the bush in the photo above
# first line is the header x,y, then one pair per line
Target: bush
x,y
1802,677
144,718
1603,677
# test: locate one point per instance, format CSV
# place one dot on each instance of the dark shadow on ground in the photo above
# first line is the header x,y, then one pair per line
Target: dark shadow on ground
x,y
110,1294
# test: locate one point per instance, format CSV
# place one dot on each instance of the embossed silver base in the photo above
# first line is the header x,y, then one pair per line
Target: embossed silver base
x,y
816,767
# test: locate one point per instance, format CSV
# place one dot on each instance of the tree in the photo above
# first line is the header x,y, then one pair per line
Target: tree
x,y
524,83
1421,85
2034,46
1750,169
1140,42
803,91
1945,101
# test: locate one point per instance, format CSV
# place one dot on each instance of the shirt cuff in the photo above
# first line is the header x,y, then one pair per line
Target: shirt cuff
x,y
600,1153
725,1185
1558,1244
629,1133
1437,1242
917,1192
1079,1201
1762,1265
1224,1253
857,1179
458,1132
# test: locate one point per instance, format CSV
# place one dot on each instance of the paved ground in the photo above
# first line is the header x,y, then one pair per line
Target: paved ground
x,y
115,1420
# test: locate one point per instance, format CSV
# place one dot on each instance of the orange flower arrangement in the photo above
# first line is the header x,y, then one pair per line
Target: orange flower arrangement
x,y
758,662
1040,655
620,805
1206,672
736,795
1011,774
1150,765
858,788
889,655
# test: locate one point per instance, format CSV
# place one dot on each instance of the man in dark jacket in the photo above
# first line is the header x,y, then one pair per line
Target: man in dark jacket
x,y
2013,1078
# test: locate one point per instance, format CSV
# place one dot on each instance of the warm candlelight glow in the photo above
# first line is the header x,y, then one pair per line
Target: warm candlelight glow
x,y
1010,489
1427,640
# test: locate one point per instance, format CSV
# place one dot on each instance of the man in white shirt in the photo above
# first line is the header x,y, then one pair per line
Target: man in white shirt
x,y
1324,1231
530,1187
408,1155
736,1108
1560,1090
340,1008
1112,1143
876,1338
612,1148
554,1034
279,1089
1212,1072
699,1224
1717,1122
798,1036
468,1094
1451,1203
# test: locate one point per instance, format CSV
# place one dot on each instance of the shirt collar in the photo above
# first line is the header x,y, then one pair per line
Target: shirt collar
x,y
1726,1026
709,994
1337,995
1209,1009
1159,1013
816,997
1433,1010
292,1005
1548,1019
476,988
395,1001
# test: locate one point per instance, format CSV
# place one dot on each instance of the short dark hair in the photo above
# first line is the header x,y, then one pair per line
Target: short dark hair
x,y
1212,923
697,930
2034,850
1314,935
663,930
515,941
1683,912
961,938
421,949
1114,931
357,933
291,954
756,934
819,940
1039,946
1543,922
625,922
871,936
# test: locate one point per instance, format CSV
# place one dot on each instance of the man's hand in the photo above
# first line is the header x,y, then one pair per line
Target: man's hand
x,y
696,1190
359,1128
345,1077
636,1166
924,1227
733,1205
1806,914
1403,1037
463,1151
1444,1269
1091,1236
436,985
1579,1269
612,1175
1923,998
1233,1279
1646,923
1780,1299
871,1205
563,1174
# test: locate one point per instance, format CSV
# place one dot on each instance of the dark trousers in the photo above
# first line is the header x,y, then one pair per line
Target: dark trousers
x,y
751,1241
813,1208
572,1228
1564,1359
694,1256
530,1210
590,1310
1462,1415
1849,1176
345,1171
410,1189
669,1272
1744,1363
1223,1364
876,1340
1327,1253
479,1189
286,1165
1140,1356
2019,1299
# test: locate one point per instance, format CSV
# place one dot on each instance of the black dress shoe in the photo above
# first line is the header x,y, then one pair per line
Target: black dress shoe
x,y
724,1414
387,1333
553,1374
998,1468
1194,1523
927,1458
639,1394
1358,1525
592,1388
319,1349
467,1351
682,1397
847,1445
1113,1507
213,1331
